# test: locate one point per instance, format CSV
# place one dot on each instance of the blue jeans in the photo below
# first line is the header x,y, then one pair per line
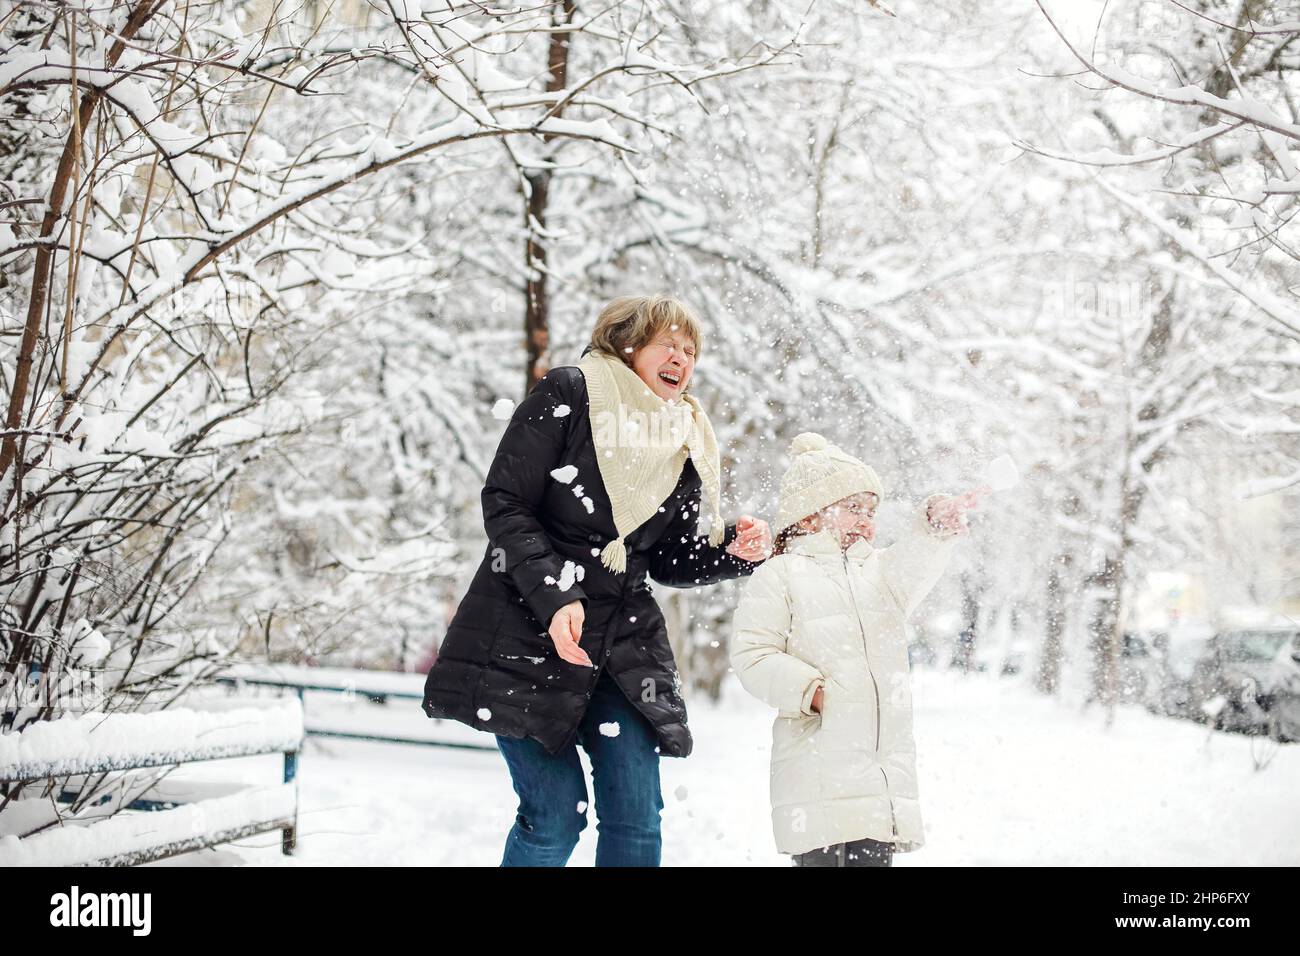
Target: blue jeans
x,y
553,789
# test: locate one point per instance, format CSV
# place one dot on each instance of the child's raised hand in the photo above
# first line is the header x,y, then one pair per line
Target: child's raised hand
x,y
949,513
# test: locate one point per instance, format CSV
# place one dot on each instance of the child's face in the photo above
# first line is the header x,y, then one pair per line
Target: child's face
x,y
850,519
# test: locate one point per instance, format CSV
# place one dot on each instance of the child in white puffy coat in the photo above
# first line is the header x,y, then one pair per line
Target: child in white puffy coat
x,y
820,634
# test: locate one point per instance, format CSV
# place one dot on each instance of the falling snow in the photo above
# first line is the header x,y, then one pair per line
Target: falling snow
x,y
1068,304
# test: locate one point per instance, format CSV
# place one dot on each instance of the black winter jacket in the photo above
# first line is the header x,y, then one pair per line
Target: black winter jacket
x,y
497,669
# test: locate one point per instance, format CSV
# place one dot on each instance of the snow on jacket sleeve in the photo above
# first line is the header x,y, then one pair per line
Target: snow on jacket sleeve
x,y
531,447
760,628
913,564
681,558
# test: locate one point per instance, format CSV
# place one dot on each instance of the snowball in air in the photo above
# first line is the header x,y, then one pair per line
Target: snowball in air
x,y
1001,474
502,410
610,729
484,714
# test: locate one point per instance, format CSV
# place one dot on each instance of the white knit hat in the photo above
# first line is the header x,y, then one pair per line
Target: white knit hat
x,y
820,475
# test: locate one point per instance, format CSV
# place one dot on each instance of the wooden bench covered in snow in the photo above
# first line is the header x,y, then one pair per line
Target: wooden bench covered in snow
x,y
121,827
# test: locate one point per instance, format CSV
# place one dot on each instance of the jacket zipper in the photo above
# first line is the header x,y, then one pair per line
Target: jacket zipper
x,y
862,629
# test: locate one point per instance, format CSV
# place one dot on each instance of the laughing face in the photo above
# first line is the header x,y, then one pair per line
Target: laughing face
x,y
666,362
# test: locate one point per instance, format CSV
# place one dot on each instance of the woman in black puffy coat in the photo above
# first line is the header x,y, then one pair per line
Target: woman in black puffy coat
x,y
559,641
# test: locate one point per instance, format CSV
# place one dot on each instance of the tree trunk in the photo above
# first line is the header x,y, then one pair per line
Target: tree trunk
x,y
537,307
1103,625
678,619
964,653
43,261
1048,677
1107,619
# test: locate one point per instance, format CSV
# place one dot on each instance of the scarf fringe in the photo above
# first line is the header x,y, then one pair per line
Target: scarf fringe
x,y
614,556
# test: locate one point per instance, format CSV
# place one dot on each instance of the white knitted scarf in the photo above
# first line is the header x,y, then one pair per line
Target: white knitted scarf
x,y
642,443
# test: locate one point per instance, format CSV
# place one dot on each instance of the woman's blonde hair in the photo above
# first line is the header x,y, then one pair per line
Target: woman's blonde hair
x,y
627,323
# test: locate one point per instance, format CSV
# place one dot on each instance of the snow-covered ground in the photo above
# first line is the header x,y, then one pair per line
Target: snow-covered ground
x,y
1006,778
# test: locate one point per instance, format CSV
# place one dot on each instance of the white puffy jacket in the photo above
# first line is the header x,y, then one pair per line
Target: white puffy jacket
x,y
818,616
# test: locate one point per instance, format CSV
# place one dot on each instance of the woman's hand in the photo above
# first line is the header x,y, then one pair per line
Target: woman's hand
x,y
817,701
753,541
566,629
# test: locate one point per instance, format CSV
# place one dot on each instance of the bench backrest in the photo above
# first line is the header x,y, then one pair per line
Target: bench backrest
x,y
94,743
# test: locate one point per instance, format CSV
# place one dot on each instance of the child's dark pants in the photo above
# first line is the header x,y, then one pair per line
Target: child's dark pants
x,y
857,853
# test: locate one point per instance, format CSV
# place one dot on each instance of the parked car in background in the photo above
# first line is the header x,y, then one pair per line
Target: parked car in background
x,y
1280,692
1230,675
1141,671
1187,642
1156,667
